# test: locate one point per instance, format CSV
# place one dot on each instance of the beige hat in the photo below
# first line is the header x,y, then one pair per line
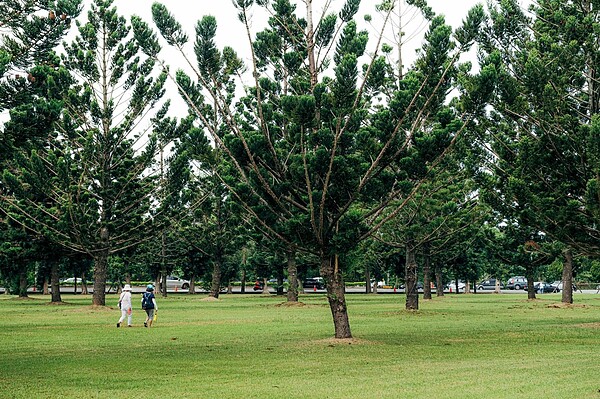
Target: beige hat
x,y
127,287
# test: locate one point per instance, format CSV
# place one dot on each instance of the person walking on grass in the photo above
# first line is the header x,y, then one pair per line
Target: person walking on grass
x,y
149,305
125,306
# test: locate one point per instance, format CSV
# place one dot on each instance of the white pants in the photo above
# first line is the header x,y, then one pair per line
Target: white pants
x,y
124,314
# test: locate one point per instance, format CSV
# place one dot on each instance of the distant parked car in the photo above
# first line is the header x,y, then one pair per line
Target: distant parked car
x,y
517,283
489,284
316,282
419,286
452,286
542,288
559,285
174,282
71,281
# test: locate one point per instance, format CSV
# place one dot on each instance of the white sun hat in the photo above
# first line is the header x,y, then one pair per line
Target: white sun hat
x,y
127,287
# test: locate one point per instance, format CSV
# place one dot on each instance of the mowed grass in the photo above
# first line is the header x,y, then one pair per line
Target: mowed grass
x,y
251,346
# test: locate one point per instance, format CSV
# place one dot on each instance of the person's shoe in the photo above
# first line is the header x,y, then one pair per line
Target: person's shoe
x,y
118,325
145,324
129,325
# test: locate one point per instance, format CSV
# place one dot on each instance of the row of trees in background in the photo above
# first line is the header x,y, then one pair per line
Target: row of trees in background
x,y
335,159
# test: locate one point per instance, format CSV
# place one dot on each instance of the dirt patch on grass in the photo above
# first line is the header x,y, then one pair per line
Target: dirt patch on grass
x,y
567,305
291,305
23,298
588,325
210,299
61,303
332,342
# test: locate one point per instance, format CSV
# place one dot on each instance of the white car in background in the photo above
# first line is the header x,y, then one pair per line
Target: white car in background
x,y
452,286
174,282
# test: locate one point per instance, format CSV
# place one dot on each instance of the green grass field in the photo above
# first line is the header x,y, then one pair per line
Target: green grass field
x,y
251,346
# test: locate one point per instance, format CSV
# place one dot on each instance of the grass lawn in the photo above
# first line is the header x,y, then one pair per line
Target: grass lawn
x,y
250,346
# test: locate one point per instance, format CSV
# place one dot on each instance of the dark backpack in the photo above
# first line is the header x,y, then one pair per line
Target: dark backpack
x,y
147,301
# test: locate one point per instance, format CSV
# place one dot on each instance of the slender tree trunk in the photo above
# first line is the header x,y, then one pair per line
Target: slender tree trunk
x,y
265,286
215,285
163,283
192,289
439,283
567,277
530,288
310,45
426,275
46,287
292,293
243,287
100,270
336,295
163,258
84,287
54,282
280,283
412,293
368,280
23,283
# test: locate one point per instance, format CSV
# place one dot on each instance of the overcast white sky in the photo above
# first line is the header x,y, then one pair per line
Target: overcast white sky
x,y
230,31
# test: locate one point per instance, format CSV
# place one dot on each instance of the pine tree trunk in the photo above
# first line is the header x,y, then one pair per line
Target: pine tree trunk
x,y
368,280
530,288
497,287
292,293
23,283
54,276
412,293
439,284
426,276
192,289
100,270
84,287
336,295
265,290
215,285
567,277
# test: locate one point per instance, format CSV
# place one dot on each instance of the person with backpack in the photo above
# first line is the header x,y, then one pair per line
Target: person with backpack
x,y
149,305
125,306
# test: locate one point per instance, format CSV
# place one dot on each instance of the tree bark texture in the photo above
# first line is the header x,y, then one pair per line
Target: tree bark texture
x,y
439,283
54,281
192,289
567,277
23,283
529,276
412,293
336,295
100,270
292,268
215,285
427,276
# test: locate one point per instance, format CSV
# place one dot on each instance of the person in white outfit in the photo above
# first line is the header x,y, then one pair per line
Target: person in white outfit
x,y
125,305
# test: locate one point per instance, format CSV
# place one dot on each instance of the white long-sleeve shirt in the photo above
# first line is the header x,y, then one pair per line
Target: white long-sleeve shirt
x,y
125,300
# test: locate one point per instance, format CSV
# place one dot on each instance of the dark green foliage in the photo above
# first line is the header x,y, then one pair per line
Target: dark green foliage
x,y
544,110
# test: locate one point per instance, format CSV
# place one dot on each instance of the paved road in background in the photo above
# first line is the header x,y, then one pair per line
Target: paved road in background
x,y
249,290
